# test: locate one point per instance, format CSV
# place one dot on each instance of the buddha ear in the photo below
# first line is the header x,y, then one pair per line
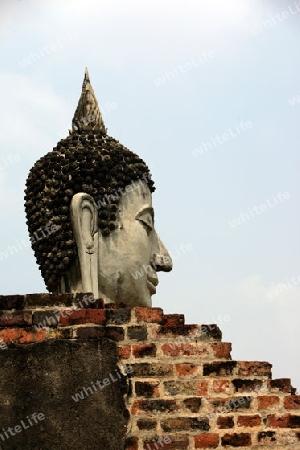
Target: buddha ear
x,y
84,219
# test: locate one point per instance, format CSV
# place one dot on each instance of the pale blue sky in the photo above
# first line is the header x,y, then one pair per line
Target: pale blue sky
x,y
128,46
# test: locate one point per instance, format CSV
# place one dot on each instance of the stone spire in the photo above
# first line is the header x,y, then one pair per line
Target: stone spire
x,y
87,116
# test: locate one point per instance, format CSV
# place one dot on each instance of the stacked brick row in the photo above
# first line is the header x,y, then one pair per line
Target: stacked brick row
x,y
185,392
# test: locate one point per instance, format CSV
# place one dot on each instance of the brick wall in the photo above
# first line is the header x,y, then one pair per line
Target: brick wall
x,y
184,390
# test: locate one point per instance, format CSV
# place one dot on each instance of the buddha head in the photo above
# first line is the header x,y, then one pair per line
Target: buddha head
x,y
90,217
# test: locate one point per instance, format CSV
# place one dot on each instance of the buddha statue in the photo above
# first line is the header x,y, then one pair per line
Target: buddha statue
x,y
95,197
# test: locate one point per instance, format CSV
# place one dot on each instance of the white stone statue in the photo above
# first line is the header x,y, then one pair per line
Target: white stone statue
x,y
98,195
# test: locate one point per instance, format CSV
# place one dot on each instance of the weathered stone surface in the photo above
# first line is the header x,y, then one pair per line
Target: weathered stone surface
x,y
90,218
41,378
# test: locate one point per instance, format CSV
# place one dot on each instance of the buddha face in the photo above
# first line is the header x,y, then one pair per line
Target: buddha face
x,y
129,259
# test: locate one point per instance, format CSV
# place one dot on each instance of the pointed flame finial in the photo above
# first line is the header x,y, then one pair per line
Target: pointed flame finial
x,y
87,116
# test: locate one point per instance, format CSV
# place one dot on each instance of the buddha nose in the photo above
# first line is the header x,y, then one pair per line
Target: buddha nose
x,y
162,261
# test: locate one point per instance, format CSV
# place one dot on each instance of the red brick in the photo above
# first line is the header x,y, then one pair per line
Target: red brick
x,y
185,423
83,316
266,437
137,332
186,369
180,331
22,335
192,404
186,387
222,386
153,406
207,440
125,351
15,318
225,422
172,320
222,368
178,441
240,402
114,333
12,301
166,442
280,384
249,421
292,402
241,385
284,421
144,350
221,349
219,405
150,370
153,443
184,349
61,333
41,300
99,303
45,319
224,405
118,316
131,443
84,300
114,305
267,401
278,421
150,315
146,424
262,368
201,387
236,439
210,332
147,389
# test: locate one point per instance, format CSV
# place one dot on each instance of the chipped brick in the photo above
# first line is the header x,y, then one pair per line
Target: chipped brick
x,y
149,315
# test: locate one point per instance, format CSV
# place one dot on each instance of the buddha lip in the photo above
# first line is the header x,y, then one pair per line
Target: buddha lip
x,y
152,282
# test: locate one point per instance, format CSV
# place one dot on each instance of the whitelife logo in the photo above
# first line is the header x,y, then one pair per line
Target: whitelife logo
x,y
24,424
86,391
11,250
217,140
48,49
278,17
282,287
8,161
244,217
294,100
183,68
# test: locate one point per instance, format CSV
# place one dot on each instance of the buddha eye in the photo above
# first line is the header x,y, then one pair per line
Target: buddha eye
x,y
146,217
147,221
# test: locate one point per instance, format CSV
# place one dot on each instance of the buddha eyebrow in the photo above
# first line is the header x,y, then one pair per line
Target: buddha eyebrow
x,y
146,209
